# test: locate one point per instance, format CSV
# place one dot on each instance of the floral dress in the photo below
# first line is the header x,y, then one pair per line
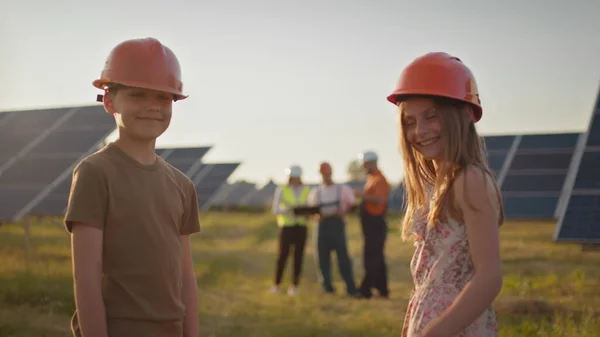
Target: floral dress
x,y
441,267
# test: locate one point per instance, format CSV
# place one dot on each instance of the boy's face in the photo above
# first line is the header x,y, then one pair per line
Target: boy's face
x,y
141,114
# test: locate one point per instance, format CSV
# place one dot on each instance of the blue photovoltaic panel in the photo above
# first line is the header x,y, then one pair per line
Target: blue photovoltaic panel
x,y
86,118
396,200
530,207
262,197
536,175
495,161
549,141
588,175
210,178
237,194
540,161
61,137
499,142
34,120
534,182
4,115
185,159
12,141
579,221
187,152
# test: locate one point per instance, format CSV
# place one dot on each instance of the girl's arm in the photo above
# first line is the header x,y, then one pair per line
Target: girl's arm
x,y
476,198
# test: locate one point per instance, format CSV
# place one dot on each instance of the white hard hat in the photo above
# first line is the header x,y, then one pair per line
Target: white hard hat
x,y
294,171
367,156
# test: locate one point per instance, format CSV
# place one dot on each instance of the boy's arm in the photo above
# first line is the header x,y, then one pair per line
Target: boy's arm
x,y
189,291
86,244
85,219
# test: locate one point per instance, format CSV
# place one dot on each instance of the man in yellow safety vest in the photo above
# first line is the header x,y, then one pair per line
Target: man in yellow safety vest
x,y
292,228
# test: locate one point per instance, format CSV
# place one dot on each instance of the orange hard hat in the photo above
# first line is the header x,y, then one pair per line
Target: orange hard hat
x,y
438,74
325,168
143,63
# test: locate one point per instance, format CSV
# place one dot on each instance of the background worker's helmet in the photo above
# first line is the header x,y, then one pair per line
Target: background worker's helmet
x,y
294,171
438,74
142,63
367,156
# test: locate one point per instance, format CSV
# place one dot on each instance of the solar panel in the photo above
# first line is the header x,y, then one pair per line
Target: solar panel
x,y
498,149
186,159
537,207
236,194
549,141
209,179
534,173
3,116
57,140
396,199
579,220
262,197
495,161
495,143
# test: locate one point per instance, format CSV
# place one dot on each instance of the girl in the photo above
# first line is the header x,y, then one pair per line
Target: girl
x,y
453,207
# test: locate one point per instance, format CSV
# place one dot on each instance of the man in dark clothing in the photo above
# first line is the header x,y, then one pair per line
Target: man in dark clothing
x,y
373,209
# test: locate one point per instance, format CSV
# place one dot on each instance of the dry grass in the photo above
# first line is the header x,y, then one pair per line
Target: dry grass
x,y
549,290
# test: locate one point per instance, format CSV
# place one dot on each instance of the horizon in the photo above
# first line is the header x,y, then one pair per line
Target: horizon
x,y
273,85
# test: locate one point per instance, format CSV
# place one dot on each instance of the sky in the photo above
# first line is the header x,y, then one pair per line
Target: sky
x,y
276,83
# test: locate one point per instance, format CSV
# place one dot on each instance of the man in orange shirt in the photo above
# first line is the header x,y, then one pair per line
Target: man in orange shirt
x,y
373,209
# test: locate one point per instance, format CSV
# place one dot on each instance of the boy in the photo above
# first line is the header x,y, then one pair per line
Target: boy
x,y
130,213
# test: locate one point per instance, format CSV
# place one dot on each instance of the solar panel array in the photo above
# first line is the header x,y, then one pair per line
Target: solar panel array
x,y
209,181
39,148
246,194
260,197
579,220
187,159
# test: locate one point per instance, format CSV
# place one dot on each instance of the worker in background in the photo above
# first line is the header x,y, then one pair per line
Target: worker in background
x,y
373,209
334,200
292,229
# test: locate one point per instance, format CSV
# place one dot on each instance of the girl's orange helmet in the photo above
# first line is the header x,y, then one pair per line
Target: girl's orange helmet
x,y
143,63
438,74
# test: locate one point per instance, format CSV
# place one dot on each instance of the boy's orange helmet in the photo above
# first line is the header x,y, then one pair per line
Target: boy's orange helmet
x,y
143,63
438,74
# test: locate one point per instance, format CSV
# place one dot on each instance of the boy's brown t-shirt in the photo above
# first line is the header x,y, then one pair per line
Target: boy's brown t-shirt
x,y
142,210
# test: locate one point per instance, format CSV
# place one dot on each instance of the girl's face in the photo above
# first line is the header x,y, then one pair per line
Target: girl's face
x,y
422,127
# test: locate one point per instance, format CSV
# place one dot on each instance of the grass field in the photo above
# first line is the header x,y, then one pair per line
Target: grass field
x,y
549,289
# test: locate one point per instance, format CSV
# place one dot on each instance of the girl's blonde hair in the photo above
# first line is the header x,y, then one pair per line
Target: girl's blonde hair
x,y
427,187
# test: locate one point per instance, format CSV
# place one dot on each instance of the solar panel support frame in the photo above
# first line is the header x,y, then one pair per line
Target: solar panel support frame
x,y
569,183
203,172
194,168
510,155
